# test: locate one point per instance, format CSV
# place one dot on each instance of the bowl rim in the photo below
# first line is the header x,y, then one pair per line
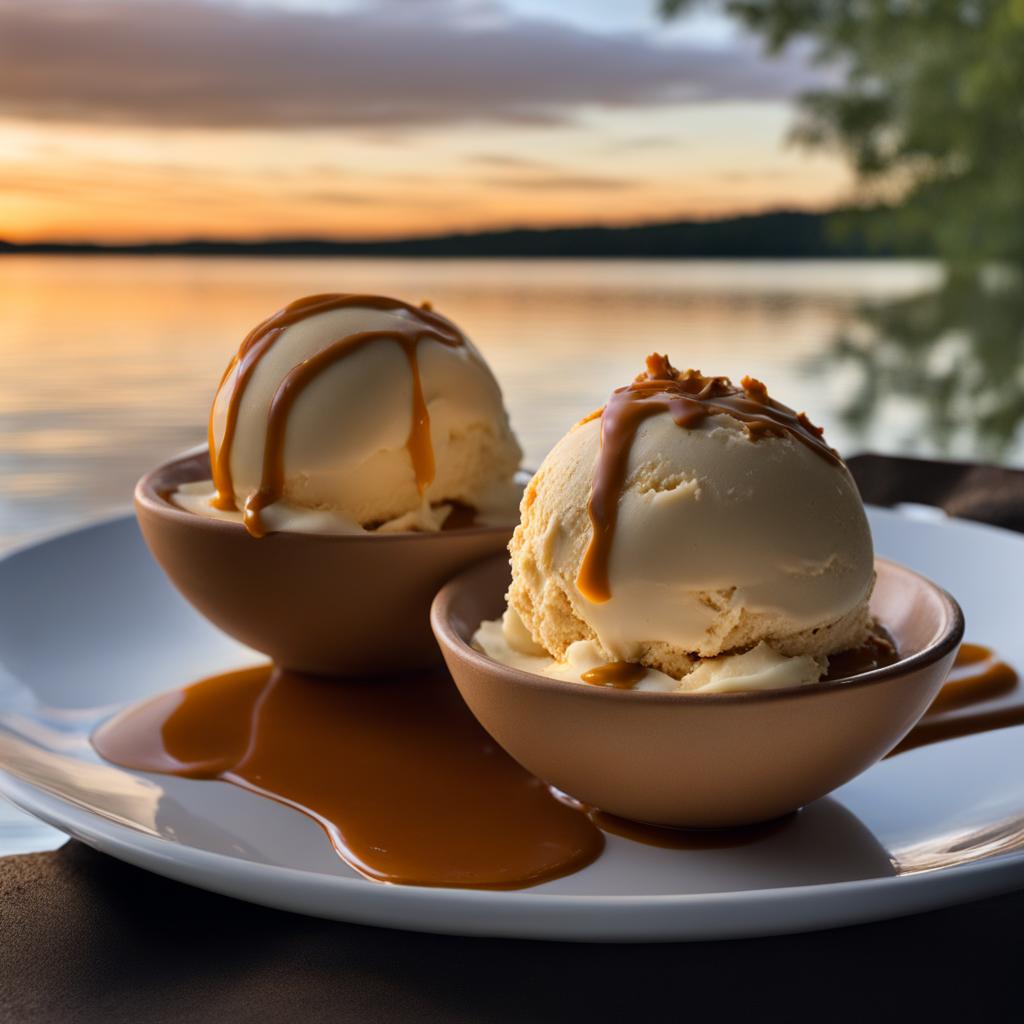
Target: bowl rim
x,y
149,499
450,641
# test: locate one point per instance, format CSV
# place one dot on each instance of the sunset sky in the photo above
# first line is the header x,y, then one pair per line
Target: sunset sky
x,y
167,119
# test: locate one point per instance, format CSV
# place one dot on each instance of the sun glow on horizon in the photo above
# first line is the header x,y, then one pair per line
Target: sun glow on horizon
x,y
75,183
657,133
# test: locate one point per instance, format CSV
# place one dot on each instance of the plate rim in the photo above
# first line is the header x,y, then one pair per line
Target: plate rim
x,y
539,916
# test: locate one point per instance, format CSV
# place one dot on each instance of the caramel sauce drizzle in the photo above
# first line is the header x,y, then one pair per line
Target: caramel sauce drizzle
x,y
423,323
690,398
418,444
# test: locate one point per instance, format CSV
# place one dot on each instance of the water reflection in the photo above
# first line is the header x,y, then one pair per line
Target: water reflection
x,y
110,363
941,371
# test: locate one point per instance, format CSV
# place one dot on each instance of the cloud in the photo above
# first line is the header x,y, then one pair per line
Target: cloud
x,y
507,160
213,63
648,142
553,182
761,174
336,197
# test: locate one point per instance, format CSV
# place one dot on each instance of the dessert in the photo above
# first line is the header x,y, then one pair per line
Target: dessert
x,y
414,784
349,413
692,536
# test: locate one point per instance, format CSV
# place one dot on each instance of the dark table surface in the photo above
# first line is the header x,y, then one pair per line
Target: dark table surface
x,y
86,938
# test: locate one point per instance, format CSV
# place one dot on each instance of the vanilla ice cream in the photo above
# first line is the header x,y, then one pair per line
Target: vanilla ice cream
x,y
700,530
349,412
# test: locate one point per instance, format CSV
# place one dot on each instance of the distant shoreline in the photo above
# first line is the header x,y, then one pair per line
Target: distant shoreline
x,y
781,234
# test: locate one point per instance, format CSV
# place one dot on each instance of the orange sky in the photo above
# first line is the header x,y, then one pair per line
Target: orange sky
x,y
492,116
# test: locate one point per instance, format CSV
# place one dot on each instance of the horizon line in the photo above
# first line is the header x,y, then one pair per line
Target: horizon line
x,y
426,238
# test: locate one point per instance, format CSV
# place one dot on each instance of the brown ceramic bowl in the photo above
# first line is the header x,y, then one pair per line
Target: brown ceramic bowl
x,y
703,760
331,605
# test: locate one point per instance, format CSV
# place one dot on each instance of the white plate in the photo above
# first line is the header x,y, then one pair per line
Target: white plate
x,y
88,623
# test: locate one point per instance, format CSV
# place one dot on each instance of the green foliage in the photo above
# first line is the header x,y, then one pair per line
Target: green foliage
x,y
930,109
953,356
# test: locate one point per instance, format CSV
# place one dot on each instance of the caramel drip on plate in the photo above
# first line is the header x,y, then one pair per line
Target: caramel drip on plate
x,y
408,787
404,782
423,323
690,398
977,675
620,675
982,693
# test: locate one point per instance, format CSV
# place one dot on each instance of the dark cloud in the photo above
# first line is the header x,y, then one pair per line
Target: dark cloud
x,y
203,63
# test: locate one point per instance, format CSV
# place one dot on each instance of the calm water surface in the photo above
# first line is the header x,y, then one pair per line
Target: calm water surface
x,y
109,364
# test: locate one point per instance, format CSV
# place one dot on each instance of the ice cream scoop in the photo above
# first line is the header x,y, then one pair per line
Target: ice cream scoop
x,y
689,521
347,412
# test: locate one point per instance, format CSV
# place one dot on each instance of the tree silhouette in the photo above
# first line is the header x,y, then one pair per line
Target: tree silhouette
x,y
929,112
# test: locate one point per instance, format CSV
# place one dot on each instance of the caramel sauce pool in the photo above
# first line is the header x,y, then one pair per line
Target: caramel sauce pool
x,y
410,789
406,784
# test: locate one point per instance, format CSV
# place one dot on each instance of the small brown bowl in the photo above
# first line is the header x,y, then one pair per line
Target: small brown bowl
x,y
702,760
330,605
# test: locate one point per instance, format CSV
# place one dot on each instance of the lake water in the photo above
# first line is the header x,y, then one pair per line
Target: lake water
x,y
108,365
